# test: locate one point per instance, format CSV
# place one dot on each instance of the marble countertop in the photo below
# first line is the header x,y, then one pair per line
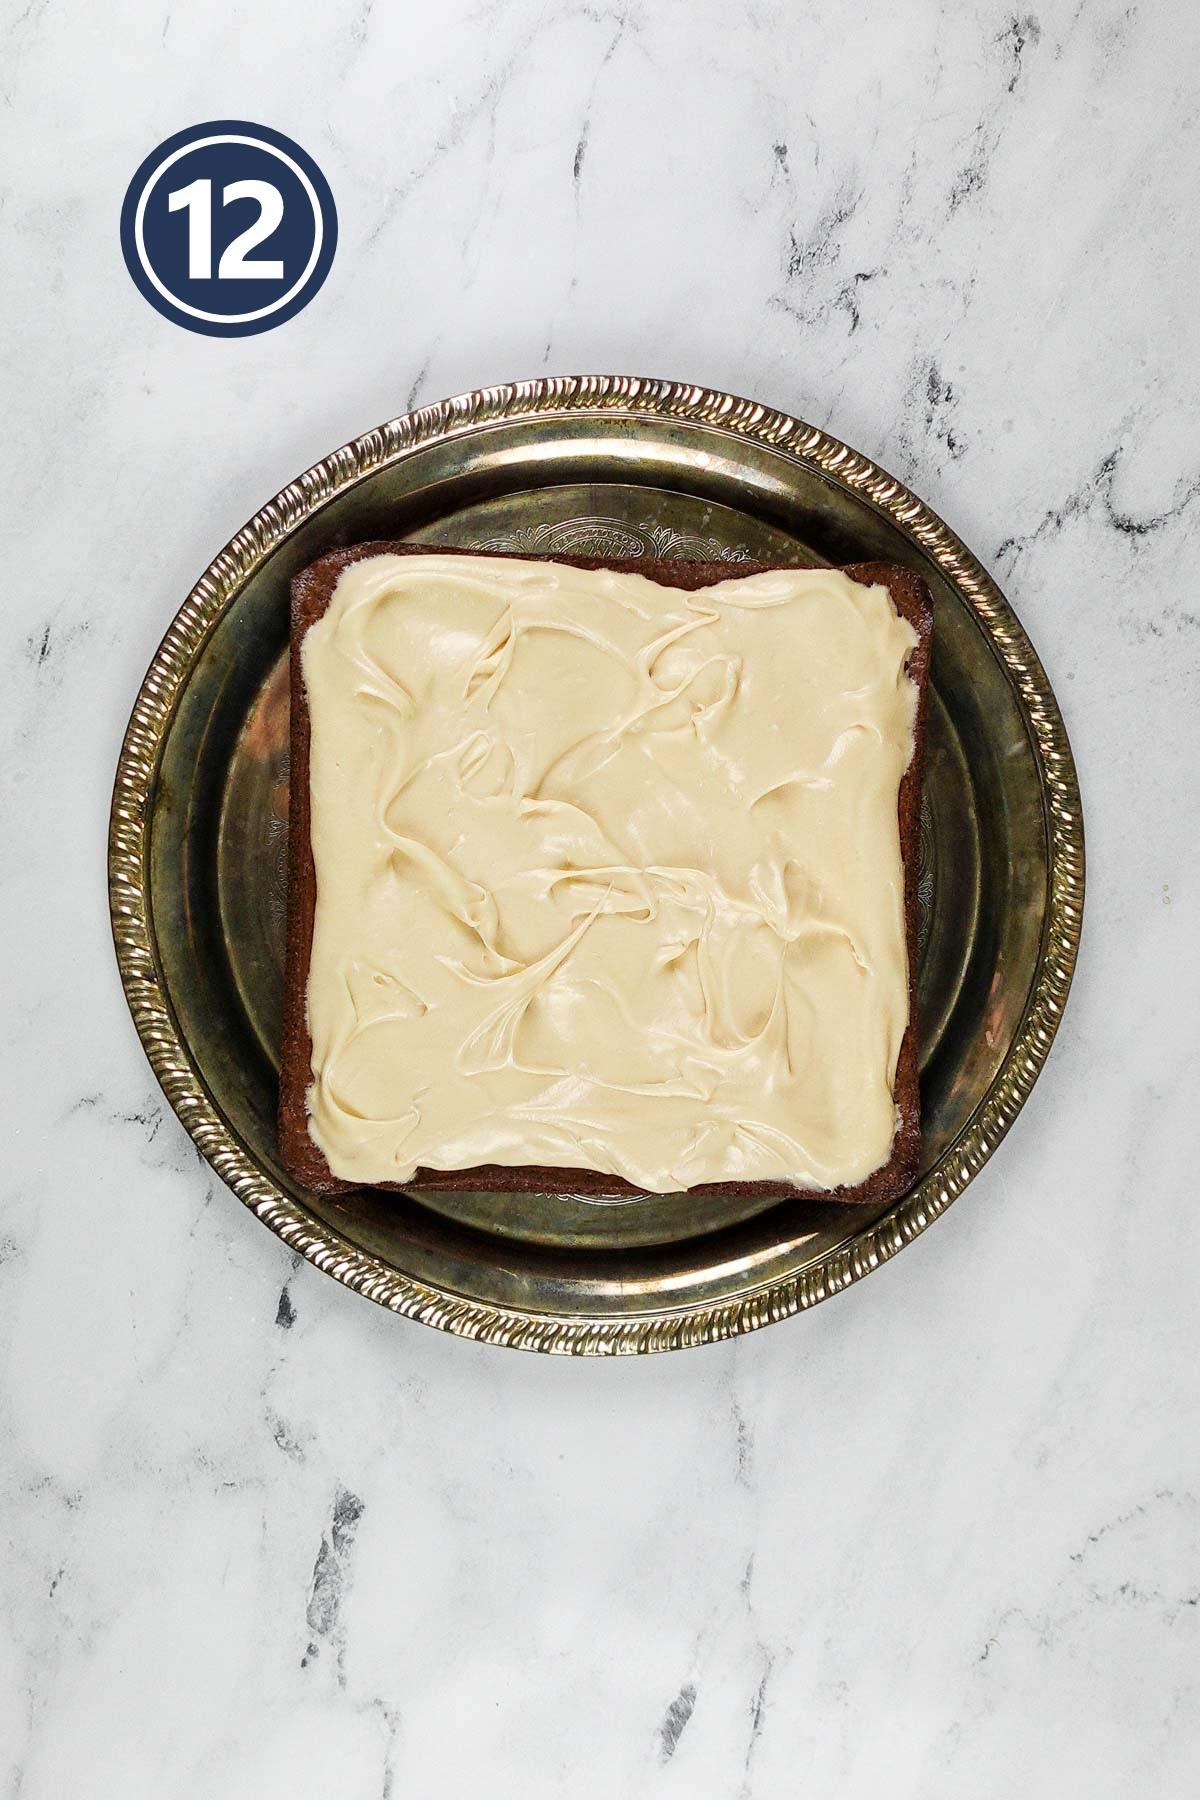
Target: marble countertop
x,y
938,1538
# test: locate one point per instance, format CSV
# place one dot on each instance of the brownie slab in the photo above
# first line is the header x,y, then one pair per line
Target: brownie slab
x,y
311,594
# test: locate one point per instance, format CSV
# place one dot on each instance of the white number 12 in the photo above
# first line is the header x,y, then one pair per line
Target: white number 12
x,y
196,201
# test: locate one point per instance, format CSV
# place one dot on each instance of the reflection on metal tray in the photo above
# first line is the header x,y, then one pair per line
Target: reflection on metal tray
x,y
608,467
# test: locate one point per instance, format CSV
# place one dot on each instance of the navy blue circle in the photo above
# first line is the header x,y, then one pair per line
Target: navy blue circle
x,y
165,249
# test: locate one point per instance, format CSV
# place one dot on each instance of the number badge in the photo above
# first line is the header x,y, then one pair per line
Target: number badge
x,y
228,228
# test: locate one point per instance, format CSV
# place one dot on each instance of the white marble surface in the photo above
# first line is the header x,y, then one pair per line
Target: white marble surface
x,y
940,1538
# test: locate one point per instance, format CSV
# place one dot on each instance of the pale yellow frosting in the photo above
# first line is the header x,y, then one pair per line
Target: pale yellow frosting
x,y
608,874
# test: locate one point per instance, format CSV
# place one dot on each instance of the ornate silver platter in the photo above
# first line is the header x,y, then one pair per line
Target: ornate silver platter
x,y
600,466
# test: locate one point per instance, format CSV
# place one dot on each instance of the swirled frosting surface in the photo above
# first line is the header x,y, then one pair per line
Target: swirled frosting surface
x,y
608,874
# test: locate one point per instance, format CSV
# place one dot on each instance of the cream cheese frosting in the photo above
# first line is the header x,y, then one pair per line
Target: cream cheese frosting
x,y
608,874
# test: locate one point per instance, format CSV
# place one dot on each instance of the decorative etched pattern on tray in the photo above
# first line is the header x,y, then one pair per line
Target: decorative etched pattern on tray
x,y
612,537
926,872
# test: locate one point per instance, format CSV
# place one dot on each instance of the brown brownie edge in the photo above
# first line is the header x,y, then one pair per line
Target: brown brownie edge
x,y
312,591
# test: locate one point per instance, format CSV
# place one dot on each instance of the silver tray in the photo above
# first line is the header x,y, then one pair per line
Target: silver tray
x,y
599,466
